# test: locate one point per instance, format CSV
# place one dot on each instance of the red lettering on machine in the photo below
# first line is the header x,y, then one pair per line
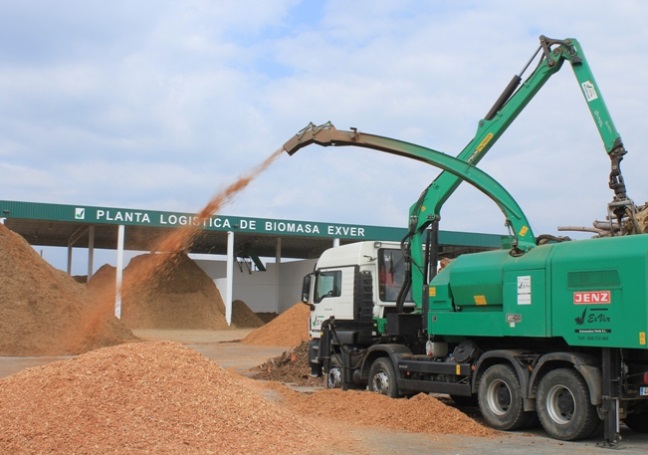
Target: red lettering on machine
x,y
592,297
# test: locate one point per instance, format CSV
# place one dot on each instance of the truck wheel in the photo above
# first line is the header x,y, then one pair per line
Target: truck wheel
x,y
564,406
313,358
637,422
500,399
334,378
382,378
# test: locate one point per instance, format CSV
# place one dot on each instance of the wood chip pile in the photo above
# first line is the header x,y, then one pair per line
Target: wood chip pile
x,y
290,367
244,317
164,398
420,414
290,328
180,295
149,397
44,311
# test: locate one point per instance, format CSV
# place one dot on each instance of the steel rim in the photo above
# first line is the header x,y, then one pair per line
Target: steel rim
x,y
561,404
498,396
334,378
381,382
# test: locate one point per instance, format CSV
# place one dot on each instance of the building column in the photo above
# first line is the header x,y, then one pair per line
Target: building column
x,y
119,272
229,277
91,238
69,259
278,275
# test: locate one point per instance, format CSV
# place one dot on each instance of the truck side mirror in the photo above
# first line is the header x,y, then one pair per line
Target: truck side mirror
x,y
306,286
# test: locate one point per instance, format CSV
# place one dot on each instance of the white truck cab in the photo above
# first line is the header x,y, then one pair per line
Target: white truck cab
x,y
354,282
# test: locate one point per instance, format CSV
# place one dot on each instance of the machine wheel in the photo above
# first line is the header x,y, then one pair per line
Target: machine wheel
x,y
564,406
637,422
334,378
500,399
382,378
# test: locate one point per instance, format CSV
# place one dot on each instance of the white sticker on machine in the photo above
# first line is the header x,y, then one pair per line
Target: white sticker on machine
x,y
524,290
589,91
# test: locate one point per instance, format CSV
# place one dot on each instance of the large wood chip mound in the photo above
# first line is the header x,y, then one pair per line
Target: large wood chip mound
x,y
149,397
290,328
46,312
164,292
244,317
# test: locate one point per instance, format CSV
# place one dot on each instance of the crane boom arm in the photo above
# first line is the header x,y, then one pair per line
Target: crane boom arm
x,y
512,102
328,135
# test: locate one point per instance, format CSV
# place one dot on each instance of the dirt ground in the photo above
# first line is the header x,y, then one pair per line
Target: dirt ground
x,y
224,348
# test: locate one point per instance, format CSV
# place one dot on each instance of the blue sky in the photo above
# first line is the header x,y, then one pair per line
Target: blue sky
x,y
160,104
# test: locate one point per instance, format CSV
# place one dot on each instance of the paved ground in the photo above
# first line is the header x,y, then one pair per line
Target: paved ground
x,y
218,345
223,348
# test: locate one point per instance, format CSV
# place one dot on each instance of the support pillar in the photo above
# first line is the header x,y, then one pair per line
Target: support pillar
x,y
69,260
91,238
277,280
229,277
119,270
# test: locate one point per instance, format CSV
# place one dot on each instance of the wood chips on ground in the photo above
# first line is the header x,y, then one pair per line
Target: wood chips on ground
x,y
290,367
420,414
164,398
148,397
46,312
290,328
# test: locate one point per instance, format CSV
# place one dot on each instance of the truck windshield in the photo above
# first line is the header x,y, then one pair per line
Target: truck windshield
x,y
328,284
391,274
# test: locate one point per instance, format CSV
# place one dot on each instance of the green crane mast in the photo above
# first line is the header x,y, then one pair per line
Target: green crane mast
x,y
425,213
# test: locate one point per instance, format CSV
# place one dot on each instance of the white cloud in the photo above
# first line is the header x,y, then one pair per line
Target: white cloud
x,y
177,99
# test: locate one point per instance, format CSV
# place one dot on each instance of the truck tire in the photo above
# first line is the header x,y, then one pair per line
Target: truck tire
x,y
382,378
500,399
564,406
334,378
313,358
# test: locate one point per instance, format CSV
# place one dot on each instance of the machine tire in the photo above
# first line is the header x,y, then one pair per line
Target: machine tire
x,y
637,422
334,378
382,378
500,399
564,406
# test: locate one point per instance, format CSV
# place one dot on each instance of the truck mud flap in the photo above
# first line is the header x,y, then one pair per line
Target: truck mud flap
x,y
419,385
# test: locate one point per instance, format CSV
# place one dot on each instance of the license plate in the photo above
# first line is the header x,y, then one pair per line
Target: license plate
x,y
643,391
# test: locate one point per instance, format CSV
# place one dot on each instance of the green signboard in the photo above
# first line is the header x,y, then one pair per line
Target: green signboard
x,y
153,218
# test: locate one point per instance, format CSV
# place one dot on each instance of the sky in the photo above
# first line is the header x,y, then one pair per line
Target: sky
x,y
161,104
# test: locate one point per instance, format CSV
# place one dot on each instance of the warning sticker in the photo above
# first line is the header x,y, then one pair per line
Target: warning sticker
x,y
589,91
524,290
